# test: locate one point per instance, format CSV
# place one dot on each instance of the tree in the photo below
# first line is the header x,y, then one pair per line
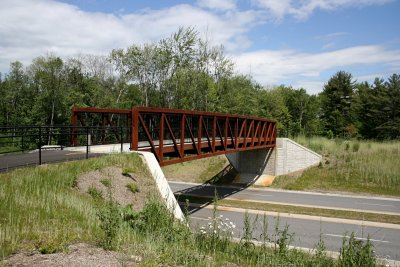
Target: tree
x,y
336,103
49,80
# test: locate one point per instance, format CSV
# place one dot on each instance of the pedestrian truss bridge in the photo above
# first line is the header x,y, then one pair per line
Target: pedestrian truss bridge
x,y
174,135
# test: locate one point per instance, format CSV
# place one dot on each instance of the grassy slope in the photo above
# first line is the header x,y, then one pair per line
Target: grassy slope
x,y
40,209
353,166
198,171
36,203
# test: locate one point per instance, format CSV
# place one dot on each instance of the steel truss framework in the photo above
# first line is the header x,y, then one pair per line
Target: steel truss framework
x,y
181,135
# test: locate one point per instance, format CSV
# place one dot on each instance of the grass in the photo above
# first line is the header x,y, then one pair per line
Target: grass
x,y
364,216
40,209
36,203
349,165
198,171
133,187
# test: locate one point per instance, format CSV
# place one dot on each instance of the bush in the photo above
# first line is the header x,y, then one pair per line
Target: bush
x,y
133,187
356,253
110,221
96,194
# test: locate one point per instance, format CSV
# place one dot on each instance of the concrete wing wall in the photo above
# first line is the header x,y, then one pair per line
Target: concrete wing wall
x,y
291,157
287,157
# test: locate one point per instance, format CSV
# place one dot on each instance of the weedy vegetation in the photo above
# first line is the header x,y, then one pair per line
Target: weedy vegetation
x,y
133,187
349,165
40,209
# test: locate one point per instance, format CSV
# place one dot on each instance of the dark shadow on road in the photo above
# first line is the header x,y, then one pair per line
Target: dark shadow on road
x,y
218,187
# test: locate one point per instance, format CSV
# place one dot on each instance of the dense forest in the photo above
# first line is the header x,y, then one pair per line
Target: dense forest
x,y
183,71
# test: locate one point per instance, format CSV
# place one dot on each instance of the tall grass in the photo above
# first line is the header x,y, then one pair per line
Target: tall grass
x,y
39,209
36,203
351,165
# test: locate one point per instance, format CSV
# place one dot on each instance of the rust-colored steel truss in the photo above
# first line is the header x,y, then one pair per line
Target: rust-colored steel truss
x,y
182,135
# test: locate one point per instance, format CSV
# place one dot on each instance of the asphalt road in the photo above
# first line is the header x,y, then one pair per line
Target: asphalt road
x,y
386,240
333,201
307,229
32,158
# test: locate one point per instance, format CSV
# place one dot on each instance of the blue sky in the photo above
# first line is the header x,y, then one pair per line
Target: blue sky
x,y
298,43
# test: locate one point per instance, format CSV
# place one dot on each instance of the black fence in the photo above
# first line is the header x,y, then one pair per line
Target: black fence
x,y
36,140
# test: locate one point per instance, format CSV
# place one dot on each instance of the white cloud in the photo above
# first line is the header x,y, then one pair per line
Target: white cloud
x,y
276,67
303,9
32,28
217,4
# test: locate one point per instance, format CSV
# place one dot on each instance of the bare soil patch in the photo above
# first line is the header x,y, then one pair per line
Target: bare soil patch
x,y
119,186
80,254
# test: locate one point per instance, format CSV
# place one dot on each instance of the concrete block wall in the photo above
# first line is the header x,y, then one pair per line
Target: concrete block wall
x,y
287,157
291,157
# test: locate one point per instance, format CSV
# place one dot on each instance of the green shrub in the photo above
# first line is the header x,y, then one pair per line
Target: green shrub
x,y
110,222
96,194
356,253
133,187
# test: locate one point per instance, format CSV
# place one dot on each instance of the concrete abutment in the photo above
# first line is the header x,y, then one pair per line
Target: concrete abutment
x,y
261,166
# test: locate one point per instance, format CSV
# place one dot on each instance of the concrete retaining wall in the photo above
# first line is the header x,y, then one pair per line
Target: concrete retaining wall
x,y
162,185
291,157
287,157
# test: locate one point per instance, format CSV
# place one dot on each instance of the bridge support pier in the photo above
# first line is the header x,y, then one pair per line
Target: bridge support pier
x,y
261,166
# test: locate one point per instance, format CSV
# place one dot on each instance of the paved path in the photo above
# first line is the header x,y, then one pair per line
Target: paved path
x,y
384,237
32,158
305,199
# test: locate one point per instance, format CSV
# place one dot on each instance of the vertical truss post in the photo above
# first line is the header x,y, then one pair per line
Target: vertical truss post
x,y
214,132
226,133
199,134
245,133
182,136
135,129
161,138
236,132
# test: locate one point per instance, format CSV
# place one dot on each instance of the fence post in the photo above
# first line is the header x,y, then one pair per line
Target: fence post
x,y
22,141
87,142
122,140
40,145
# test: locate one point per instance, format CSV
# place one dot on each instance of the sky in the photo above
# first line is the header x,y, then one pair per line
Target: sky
x,y
296,43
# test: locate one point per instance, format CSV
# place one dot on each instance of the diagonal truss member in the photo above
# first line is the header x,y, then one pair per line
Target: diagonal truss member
x,y
181,135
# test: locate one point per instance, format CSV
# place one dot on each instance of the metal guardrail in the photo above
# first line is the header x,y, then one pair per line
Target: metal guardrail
x,y
31,138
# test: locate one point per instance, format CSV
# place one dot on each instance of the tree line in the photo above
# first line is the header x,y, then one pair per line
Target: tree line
x,y
183,71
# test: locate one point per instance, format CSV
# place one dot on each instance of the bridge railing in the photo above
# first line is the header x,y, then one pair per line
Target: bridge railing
x,y
30,138
181,135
